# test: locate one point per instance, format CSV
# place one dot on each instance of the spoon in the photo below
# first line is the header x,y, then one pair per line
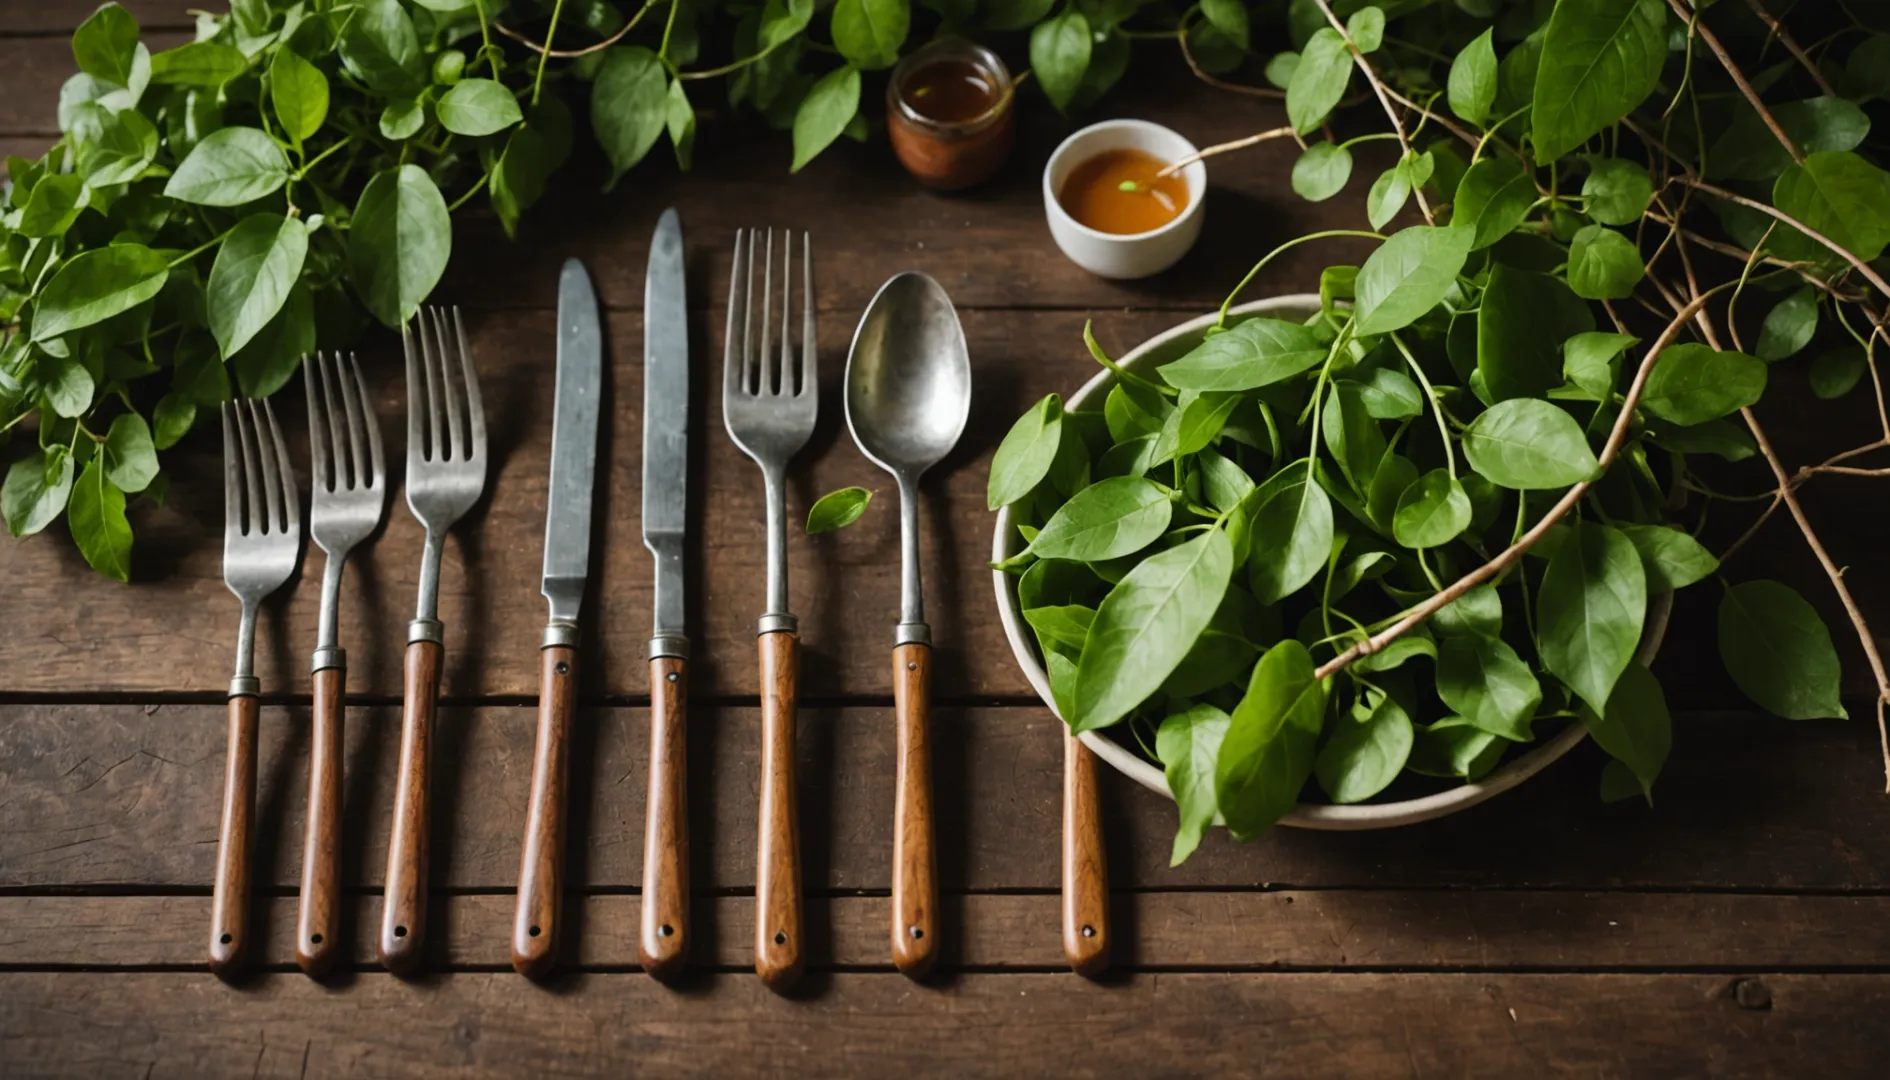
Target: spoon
x,y
908,396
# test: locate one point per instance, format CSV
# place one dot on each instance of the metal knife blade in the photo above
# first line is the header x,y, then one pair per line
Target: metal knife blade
x,y
573,444
666,430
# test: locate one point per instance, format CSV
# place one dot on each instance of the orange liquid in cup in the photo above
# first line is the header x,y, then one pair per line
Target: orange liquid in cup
x,y
1095,194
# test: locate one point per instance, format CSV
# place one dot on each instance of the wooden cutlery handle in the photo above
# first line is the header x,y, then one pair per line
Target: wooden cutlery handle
x,y
317,940
541,867
664,942
404,916
1085,868
915,866
778,875
229,905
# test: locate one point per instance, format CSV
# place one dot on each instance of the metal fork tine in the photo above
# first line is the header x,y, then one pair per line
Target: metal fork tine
x,y
357,434
376,469
810,343
416,438
271,483
475,407
343,480
749,381
317,452
769,378
232,476
789,377
436,421
291,499
450,376
252,476
731,345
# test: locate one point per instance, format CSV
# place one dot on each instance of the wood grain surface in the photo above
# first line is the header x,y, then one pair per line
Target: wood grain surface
x,y
1739,927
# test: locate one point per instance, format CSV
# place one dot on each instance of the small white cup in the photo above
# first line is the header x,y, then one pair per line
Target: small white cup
x,y
1117,255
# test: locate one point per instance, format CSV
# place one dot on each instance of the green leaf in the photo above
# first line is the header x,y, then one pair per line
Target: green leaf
x,y
1788,326
1493,198
1192,426
1059,55
116,150
1366,28
399,242
837,509
1603,264
1635,728
1691,384
229,167
1051,582
1843,197
478,107
1321,171
96,516
1589,610
54,205
1396,654
1110,518
36,490
1671,558
870,32
298,92
1779,652
95,285
1062,624
1718,437
1528,445
1254,353
1363,754
1387,196
1483,680
1188,744
1453,747
1319,82
1271,740
680,121
824,113
1292,534
1588,361
1389,394
1352,435
1431,512
1146,625
379,47
1617,192
266,364
130,458
1224,482
200,374
1747,150
1230,18
1836,372
629,107
781,21
257,263
1408,275
1226,650
1600,59
106,43
173,417
1023,459
1472,86
1523,321
66,385
208,64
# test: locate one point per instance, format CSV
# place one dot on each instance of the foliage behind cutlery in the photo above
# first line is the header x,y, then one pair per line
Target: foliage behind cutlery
x,y
1203,554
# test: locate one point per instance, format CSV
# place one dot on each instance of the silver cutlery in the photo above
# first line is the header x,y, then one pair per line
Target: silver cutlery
x,y
769,408
347,494
262,542
908,395
664,939
567,557
446,471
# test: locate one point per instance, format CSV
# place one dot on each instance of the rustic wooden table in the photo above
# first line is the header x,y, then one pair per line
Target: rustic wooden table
x,y
1740,927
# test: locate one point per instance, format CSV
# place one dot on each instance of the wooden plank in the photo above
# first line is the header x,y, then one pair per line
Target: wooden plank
x,y
63,16
1422,930
1310,1025
99,796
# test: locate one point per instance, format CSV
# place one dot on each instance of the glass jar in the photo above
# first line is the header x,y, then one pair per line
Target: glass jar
x,y
948,113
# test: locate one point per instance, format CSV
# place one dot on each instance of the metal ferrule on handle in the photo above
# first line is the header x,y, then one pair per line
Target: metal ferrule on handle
x,y
426,622
328,652
559,632
912,628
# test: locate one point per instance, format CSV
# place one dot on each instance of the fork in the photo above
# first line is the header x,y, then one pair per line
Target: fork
x,y
348,492
769,408
262,542
446,471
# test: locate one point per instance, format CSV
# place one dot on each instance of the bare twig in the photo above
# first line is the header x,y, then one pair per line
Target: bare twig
x,y
572,54
1222,148
1181,37
1378,87
1785,38
1739,79
1862,267
1616,438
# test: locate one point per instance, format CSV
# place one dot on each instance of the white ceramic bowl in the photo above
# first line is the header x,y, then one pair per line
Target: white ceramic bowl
x,y
1115,255
1161,349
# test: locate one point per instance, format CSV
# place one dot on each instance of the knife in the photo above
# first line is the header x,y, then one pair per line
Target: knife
x,y
664,941
567,553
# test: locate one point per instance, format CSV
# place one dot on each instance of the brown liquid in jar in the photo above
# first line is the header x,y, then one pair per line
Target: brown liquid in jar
x,y
1118,191
950,91
948,114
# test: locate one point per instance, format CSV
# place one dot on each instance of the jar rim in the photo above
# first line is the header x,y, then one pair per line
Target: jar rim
x,y
978,56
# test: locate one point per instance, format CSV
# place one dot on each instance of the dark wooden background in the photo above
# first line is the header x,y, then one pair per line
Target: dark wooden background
x,y
1739,927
